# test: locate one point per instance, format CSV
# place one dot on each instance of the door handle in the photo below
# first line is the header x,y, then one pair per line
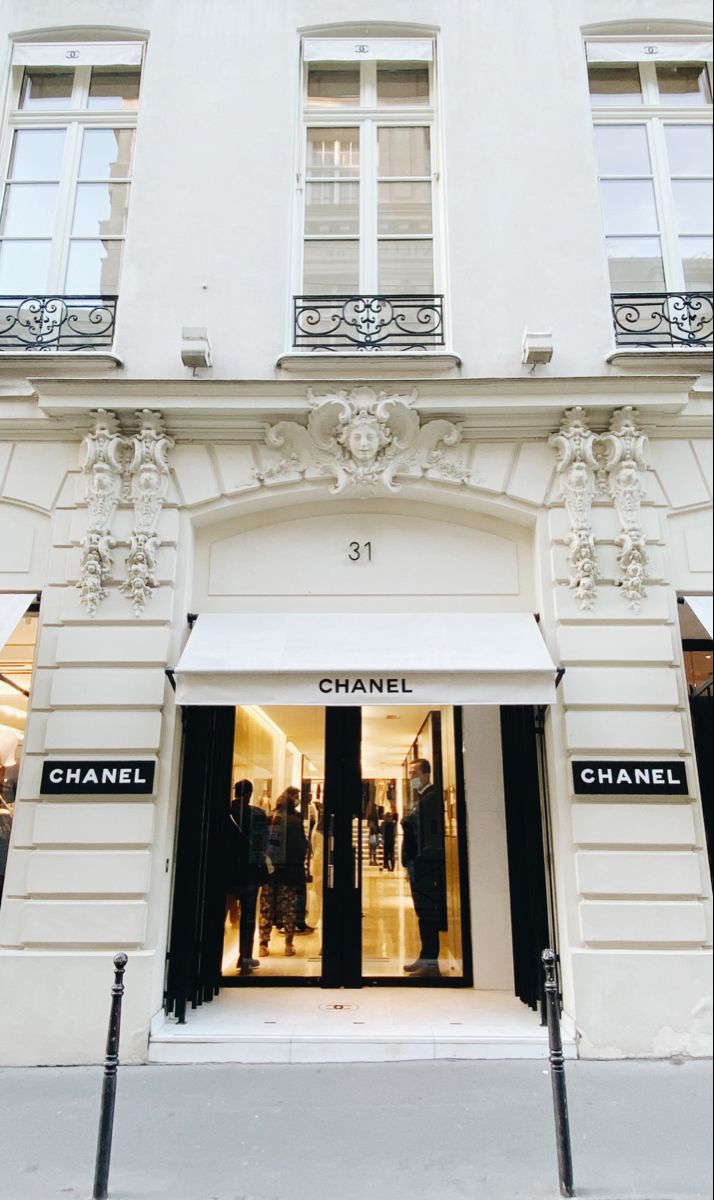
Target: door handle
x,y
331,852
356,851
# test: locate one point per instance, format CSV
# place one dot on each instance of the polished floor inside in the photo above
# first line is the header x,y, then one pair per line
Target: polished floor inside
x,y
390,937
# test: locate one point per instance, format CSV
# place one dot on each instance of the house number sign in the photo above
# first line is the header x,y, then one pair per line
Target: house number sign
x,y
82,777
605,777
360,552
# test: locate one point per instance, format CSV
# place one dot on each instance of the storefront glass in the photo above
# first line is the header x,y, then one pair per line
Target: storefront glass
x,y
16,659
392,890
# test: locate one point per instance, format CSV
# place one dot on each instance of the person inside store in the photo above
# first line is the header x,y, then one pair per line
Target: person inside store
x,y
424,858
246,867
389,836
317,858
10,746
279,896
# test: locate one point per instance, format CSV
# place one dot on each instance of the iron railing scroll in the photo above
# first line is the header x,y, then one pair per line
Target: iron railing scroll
x,y
663,319
51,323
383,322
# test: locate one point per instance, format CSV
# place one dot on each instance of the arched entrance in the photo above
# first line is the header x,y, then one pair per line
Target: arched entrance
x,y
376,558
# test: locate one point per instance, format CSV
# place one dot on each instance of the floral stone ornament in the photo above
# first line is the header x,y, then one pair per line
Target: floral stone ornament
x,y
363,439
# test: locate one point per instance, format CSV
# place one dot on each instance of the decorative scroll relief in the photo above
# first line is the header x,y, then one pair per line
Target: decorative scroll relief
x,y
622,455
148,481
104,464
578,472
363,439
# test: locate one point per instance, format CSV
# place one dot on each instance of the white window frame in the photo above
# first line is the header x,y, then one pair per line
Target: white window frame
x,y
368,116
655,116
74,119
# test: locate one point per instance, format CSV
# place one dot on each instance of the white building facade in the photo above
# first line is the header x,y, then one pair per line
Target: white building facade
x,y
378,339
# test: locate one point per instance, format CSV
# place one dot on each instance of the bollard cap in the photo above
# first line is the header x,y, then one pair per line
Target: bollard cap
x,y
120,961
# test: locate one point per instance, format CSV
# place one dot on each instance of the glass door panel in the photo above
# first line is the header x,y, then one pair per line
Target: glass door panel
x,y
275,846
411,861
343,860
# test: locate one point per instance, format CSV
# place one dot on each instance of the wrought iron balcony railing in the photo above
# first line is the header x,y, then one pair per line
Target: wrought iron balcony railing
x,y
57,322
663,318
394,322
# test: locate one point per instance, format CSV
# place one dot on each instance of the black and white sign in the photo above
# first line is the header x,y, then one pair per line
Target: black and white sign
x,y
85,776
605,777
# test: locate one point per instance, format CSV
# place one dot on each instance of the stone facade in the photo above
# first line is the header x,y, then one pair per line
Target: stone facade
x,y
131,488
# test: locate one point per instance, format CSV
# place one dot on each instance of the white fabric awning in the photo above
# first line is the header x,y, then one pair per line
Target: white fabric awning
x,y
648,50
12,609
365,658
77,54
703,609
380,49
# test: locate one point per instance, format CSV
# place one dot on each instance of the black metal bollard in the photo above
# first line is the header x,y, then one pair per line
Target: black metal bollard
x,y
557,1077
109,1084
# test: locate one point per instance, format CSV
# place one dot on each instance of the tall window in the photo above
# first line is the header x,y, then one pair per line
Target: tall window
x,y
653,139
66,168
368,171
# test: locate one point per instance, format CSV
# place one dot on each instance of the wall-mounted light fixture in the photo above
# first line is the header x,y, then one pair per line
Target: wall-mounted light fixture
x,y
537,348
195,347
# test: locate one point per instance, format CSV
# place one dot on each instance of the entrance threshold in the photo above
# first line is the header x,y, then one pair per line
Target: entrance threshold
x,y
300,1025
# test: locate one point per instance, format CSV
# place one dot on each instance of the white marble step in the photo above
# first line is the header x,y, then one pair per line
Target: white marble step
x,y
373,1025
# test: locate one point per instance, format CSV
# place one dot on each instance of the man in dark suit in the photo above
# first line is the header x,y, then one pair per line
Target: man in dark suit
x,y
423,856
246,841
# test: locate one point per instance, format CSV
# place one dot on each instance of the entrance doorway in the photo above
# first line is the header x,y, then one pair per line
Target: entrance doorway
x,y
357,857
356,911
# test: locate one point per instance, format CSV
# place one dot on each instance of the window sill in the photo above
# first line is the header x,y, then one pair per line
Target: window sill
x,y
688,358
58,362
368,365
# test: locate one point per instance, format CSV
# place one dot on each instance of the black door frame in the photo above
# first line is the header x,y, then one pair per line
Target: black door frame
x,y
193,972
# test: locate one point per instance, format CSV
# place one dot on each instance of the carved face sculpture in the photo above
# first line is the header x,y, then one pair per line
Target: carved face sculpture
x,y
363,442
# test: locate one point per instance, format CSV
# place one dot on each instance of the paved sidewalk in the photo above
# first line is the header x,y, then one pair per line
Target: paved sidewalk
x,y
404,1131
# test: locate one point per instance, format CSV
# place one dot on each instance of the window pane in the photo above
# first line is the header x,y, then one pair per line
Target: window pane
x,y
697,263
402,85
635,264
106,153
628,206
46,89
23,268
333,85
686,83
100,209
622,150
615,85
405,267
332,208
404,208
331,267
114,89
404,151
93,268
29,210
332,152
36,154
689,148
693,205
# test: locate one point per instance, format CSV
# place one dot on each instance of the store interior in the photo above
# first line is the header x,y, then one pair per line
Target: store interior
x,y
284,747
16,659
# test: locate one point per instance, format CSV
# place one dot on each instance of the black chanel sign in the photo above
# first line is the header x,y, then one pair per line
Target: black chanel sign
x,y
85,776
649,778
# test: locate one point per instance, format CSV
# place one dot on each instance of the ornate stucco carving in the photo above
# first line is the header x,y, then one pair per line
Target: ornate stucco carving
x,y
577,468
363,439
148,480
622,454
104,461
